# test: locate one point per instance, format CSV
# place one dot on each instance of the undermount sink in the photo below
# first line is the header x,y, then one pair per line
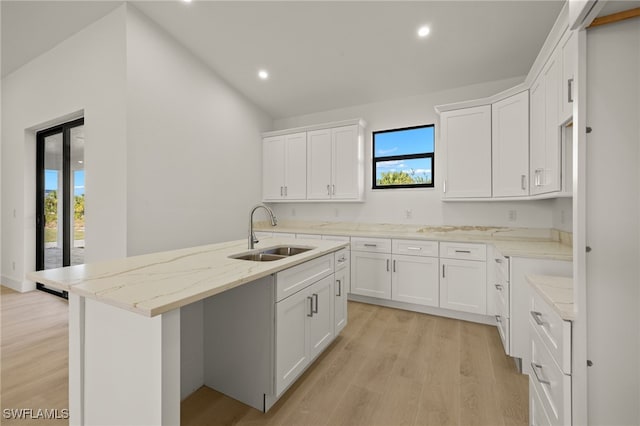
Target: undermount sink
x,y
271,253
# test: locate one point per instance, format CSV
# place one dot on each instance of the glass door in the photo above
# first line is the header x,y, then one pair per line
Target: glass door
x,y
60,198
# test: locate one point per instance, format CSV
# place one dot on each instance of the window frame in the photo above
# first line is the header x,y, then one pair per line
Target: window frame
x,y
375,160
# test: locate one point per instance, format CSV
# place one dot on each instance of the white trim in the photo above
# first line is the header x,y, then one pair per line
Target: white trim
x,y
20,286
358,121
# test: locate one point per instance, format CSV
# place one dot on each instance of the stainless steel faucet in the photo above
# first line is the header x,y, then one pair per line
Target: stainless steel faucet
x,y
252,236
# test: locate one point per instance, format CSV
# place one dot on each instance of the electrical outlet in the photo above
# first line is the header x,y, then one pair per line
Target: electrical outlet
x,y
408,214
293,212
13,265
14,213
513,215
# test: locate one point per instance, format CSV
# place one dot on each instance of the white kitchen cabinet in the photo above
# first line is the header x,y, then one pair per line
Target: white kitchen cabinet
x,y
415,280
569,53
510,146
545,153
335,163
371,274
341,289
284,171
304,327
463,285
466,142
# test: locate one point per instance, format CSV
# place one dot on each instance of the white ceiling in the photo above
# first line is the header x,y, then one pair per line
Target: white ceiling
x,y
321,55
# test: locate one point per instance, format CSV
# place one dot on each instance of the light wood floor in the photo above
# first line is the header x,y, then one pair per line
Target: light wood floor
x,y
388,367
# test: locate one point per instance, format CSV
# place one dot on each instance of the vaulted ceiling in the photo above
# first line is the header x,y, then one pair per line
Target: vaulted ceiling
x,y
320,55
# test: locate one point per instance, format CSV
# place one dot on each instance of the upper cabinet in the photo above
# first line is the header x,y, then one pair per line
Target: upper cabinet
x,y
569,53
545,129
510,146
284,171
466,140
333,156
331,167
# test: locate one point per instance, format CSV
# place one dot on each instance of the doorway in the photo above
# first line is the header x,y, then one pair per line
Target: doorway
x,y
60,198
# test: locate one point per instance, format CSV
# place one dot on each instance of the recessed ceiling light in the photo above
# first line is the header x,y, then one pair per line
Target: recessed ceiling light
x,y
423,31
263,74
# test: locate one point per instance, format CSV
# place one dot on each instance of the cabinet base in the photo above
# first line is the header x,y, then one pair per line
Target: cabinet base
x,y
440,312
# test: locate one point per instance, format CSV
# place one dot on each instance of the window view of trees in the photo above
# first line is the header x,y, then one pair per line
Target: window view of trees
x,y
51,217
403,178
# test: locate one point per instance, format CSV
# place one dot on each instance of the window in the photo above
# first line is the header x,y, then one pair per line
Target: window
x,y
403,158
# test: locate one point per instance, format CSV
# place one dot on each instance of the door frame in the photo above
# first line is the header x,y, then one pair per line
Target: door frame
x,y
65,130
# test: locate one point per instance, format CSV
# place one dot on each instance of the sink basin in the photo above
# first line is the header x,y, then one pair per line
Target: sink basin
x,y
271,253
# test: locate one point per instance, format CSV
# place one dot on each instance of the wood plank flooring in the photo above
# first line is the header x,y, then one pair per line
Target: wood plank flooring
x,y
388,367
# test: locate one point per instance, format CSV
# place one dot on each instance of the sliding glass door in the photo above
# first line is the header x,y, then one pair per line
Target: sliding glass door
x,y
60,198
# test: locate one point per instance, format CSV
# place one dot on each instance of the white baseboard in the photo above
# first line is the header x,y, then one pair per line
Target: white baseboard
x,y
20,286
448,313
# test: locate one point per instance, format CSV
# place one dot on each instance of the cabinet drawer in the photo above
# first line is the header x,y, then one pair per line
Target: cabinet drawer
x,y
537,415
463,251
309,236
502,266
501,297
503,324
376,245
553,386
336,238
415,247
294,279
553,331
342,257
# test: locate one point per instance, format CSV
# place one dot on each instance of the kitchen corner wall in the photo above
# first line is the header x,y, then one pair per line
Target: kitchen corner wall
x,y
193,146
83,75
417,206
172,153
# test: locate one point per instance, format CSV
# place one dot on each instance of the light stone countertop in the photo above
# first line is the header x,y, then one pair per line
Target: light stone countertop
x,y
155,283
515,242
557,292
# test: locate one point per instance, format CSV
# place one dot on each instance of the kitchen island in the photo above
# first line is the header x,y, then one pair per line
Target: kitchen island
x,y
125,333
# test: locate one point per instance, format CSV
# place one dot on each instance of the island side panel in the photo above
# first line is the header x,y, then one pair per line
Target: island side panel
x,y
131,367
238,342
76,359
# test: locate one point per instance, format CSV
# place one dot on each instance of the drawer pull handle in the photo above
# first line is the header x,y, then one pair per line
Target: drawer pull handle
x,y
394,265
537,317
498,260
414,248
443,275
387,265
535,368
339,288
315,296
463,251
310,314
370,245
499,287
498,319
342,260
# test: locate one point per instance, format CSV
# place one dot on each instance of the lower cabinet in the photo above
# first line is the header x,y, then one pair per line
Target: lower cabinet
x,y
463,285
371,274
304,327
415,280
341,289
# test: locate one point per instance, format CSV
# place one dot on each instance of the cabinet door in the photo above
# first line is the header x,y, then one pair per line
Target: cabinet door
x,y
341,288
273,168
463,285
321,323
510,146
292,338
551,176
319,164
295,178
415,280
466,139
347,163
371,274
569,52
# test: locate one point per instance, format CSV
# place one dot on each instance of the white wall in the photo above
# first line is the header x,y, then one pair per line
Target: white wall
x,y
194,146
425,205
613,223
562,211
84,74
